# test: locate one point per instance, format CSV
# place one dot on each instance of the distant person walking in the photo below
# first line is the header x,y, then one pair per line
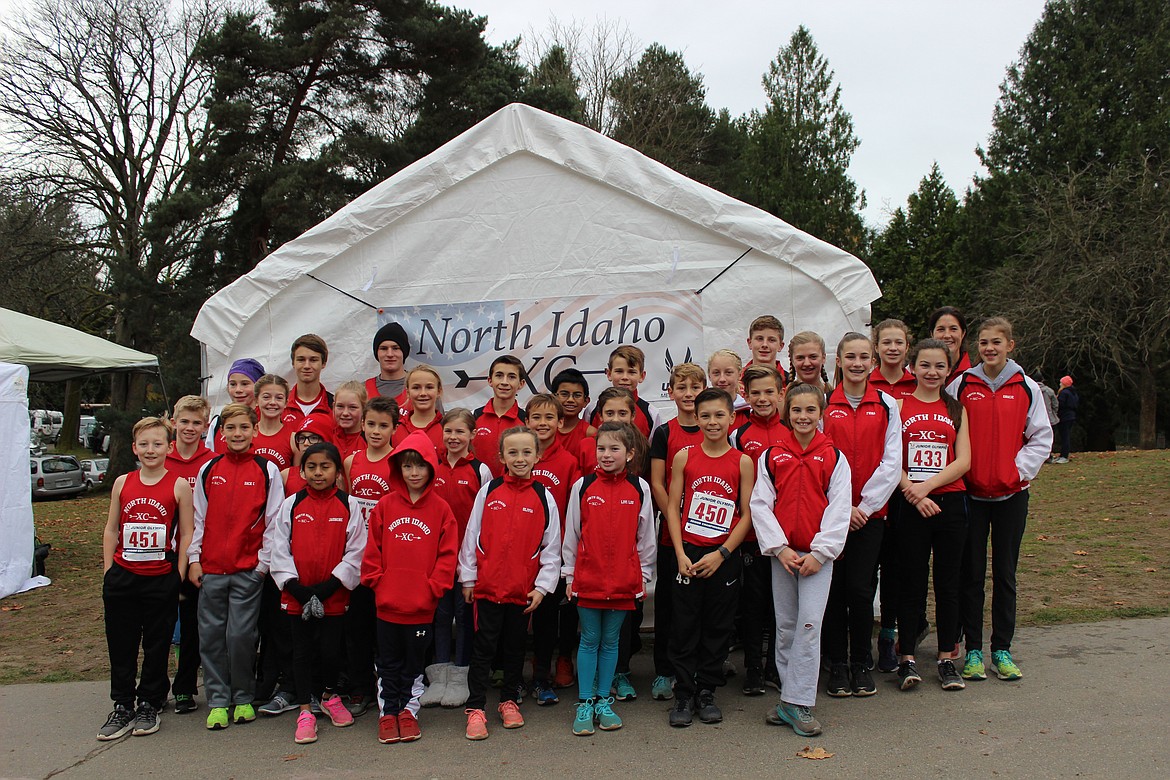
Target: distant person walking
x,y
1050,404
1068,400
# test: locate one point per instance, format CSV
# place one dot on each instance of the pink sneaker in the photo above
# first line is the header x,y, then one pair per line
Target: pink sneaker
x,y
306,728
476,724
510,714
337,711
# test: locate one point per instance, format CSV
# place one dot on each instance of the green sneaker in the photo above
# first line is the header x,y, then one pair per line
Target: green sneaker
x,y
243,713
583,723
217,718
973,668
607,719
1005,667
623,690
662,689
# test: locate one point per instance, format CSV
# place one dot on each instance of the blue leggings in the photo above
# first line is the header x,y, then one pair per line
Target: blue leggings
x,y
597,654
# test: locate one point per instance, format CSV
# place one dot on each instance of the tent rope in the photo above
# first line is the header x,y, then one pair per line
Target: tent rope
x,y
725,270
343,292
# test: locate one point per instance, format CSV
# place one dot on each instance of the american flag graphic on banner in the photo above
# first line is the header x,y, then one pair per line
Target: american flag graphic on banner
x,y
549,335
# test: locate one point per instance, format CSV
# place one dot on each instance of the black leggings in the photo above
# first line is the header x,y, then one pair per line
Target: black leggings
x,y
944,535
318,651
1005,520
848,622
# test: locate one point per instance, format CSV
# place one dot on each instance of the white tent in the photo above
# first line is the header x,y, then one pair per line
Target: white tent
x,y
16,518
536,218
54,353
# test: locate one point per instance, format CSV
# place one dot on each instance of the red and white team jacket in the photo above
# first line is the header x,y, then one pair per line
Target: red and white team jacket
x,y
870,438
317,534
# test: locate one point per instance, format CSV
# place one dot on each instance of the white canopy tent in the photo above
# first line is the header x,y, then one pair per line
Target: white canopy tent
x,y
524,207
54,353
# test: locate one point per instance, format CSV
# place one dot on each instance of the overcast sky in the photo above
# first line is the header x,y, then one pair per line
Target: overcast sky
x,y
920,77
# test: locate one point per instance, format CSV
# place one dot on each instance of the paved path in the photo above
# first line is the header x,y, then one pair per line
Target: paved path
x,y
1092,704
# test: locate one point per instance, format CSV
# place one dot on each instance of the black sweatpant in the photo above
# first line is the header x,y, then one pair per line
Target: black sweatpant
x,y
554,626
139,612
274,666
186,680
888,562
360,632
402,655
666,571
502,628
848,625
757,616
918,537
703,620
318,652
1005,520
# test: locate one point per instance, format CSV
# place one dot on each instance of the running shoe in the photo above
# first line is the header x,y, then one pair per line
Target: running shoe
x,y
543,693
583,722
861,681
683,713
973,668
510,715
663,688
120,721
337,712
185,703
839,681
564,675
1005,667
243,713
217,718
753,683
388,729
358,704
607,719
145,720
709,711
908,675
281,702
306,728
622,690
476,725
949,677
799,717
887,658
408,730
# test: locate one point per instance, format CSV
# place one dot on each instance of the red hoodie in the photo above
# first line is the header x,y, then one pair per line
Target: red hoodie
x,y
412,547
236,497
316,535
609,546
433,430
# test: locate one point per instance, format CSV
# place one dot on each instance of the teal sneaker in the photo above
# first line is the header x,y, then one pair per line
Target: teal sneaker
x,y
583,723
663,688
799,717
607,719
1005,667
243,713
217,718
973,668
622,689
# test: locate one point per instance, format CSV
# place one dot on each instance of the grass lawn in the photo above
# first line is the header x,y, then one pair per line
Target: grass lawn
x,y
1097,547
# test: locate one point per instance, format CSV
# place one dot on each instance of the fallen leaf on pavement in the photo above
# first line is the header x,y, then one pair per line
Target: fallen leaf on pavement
x,y
294,756
814,753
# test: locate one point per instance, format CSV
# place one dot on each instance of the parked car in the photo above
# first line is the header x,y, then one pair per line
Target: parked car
x,y
56,475
95,472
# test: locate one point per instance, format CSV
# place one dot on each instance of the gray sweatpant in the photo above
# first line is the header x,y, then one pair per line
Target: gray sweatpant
x,y
800,607
229,607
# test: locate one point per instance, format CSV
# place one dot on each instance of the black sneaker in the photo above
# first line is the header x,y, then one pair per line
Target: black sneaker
x,y
185,703
118,723
861,681
145,720
908,675
753,683
839,681
949,676
709,712
887,658
683,712
771,677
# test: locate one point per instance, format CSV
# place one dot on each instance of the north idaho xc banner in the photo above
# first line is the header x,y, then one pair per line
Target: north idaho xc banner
x,y
549,335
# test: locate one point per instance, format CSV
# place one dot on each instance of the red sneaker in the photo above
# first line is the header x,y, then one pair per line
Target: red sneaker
x,y
408,730
388,729
510,714
476,724
564,676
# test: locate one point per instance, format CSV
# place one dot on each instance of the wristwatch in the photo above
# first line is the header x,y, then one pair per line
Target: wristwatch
x,y
724,552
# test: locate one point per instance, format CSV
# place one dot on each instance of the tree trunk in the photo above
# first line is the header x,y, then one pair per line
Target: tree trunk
x,y
1148,419
128,397
72,416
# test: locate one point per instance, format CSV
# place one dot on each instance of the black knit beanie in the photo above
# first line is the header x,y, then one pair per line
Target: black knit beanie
x,y
392,331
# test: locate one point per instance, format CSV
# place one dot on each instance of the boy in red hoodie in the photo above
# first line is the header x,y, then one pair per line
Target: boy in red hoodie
x,y
317,542
409,563
237,496
509,561
555,623
185,459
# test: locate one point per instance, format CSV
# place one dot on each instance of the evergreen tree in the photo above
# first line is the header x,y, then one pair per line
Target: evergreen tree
x,y
554,87
798,151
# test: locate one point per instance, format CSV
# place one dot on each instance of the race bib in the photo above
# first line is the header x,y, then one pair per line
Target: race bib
x,y
709,515
924,459
144,542
367,506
